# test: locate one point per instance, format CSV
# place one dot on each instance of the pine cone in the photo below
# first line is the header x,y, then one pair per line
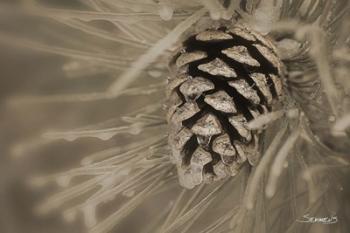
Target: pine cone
x,y
221,79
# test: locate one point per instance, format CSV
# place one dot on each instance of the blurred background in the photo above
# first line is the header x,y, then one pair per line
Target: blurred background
x,y
27,71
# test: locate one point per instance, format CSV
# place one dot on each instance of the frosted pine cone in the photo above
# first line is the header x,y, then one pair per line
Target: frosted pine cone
x,y
221,79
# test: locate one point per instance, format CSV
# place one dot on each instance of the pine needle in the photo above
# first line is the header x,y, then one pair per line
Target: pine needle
x,y
278,163
252,188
